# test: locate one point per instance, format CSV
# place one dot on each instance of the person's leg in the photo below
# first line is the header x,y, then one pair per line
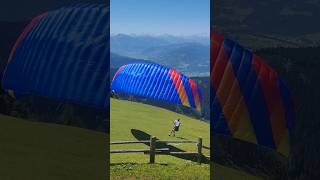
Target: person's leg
x,y
171,132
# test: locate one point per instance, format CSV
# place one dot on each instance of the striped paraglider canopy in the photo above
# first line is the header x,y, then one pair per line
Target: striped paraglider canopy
x,y
157,82
249,100
64,55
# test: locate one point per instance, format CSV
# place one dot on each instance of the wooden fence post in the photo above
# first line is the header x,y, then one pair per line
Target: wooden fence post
x,y
152,149
199,144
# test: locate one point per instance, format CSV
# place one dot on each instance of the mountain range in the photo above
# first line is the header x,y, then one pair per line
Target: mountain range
x,y
272,23
189,55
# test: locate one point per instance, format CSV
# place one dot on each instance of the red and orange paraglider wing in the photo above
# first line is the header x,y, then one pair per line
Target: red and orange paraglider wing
x,y
249,100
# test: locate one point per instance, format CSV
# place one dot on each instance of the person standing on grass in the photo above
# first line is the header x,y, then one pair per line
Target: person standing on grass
x,y
176,125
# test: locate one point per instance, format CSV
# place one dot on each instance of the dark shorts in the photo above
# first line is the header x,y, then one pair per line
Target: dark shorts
x,y
176,128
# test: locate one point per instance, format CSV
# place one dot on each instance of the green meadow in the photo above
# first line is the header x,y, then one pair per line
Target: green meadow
x,y
136,121
37,151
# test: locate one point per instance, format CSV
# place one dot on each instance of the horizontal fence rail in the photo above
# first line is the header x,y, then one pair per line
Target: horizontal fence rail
x,y
129,142
162,151
180,142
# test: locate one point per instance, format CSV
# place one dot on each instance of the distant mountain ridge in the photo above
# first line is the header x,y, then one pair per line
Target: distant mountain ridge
x,y
273,23
116,60
190,55
286,17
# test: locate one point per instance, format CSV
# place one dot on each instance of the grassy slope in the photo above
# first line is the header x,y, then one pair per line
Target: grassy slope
x,y
31,150
126,115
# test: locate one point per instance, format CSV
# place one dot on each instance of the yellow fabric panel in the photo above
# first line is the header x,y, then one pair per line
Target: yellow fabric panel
x,y
244,130
284,146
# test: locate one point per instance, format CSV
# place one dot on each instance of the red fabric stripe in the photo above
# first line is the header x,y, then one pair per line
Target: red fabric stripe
x,y
268,80
215,45
218,68
120,68
219,59
24,33
216,41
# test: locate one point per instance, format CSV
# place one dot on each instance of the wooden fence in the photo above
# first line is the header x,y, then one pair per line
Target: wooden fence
x,y
152,151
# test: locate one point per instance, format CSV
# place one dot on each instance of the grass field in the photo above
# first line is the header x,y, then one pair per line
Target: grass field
x,y
126,116
38,151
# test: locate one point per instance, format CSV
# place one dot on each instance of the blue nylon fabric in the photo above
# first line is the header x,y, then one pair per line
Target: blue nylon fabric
x,y
65,56
288,104
218,122
259,115
252,93
150,80
200,94
236,58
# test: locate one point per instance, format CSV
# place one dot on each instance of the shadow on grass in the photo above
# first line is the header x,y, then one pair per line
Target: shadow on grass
x,y
126,164
141,136
181,138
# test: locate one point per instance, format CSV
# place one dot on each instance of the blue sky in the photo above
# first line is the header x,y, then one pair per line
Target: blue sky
x,y
155,17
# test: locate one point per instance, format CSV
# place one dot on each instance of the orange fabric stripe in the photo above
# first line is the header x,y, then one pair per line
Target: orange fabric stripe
x,y
223,91
234,107
195,94
179,87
